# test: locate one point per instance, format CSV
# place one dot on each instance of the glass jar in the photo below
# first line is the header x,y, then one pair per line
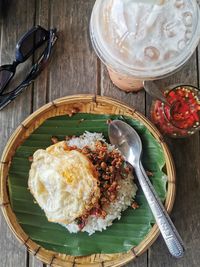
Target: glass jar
x,y
181,118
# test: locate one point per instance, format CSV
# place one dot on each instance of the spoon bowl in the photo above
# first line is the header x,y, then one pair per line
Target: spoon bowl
x,y
128,143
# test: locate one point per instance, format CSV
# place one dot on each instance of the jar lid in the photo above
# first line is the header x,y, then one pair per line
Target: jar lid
x,y
145,38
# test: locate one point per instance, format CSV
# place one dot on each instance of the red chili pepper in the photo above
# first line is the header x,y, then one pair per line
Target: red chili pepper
x,y
95,211
184,114
196,117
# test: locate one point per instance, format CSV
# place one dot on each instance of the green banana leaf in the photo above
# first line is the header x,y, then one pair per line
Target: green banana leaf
x,y
123,234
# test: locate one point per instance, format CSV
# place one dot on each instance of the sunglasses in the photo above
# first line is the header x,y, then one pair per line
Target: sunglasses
x,y
27,45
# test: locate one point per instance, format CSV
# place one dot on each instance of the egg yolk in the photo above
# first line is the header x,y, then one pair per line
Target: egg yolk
x,y
69,178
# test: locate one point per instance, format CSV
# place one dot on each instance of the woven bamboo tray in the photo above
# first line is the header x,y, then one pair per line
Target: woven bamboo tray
x,y
68,105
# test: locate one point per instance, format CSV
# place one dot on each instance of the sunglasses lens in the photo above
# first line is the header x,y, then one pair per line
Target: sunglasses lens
x,y
33,41
5,76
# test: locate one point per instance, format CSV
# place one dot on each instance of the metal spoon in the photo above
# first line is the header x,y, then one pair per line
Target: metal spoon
x,y
126,139
152,89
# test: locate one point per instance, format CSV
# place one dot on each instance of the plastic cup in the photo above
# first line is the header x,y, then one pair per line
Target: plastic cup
x,y
138,40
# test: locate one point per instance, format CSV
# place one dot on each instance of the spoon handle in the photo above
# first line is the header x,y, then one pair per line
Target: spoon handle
x,y
152,89
167,228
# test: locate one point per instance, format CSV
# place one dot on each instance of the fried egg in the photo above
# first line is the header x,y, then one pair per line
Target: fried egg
x,y
64,183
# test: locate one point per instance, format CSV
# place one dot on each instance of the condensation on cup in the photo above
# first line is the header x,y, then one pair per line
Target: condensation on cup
x,y
141,40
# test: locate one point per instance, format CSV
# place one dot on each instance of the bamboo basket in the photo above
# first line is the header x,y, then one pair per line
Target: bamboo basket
x,y
68,105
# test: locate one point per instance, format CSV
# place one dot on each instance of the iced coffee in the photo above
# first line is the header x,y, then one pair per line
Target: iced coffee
x,y
144,40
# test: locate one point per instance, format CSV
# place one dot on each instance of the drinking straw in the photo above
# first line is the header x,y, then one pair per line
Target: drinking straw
x,y
155,12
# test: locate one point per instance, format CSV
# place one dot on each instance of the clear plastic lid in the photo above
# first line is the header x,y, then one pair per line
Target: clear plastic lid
x,y
145,38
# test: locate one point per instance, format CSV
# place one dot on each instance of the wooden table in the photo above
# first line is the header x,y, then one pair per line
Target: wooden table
x,y
75,69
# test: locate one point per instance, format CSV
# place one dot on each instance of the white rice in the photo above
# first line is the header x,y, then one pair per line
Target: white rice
x,y
125,195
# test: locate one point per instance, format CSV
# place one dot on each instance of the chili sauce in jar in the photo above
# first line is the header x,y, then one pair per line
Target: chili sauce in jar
x,y
181,118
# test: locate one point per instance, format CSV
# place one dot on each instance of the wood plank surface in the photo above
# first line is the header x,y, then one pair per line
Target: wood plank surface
x,y
41,83
198,65
186,211
135,100
16,18
74,69
34,262
74,65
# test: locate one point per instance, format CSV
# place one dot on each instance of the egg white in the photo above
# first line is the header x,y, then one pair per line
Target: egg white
x,y
63,182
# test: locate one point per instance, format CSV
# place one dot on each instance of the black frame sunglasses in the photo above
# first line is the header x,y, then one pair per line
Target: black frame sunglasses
x,y
26,46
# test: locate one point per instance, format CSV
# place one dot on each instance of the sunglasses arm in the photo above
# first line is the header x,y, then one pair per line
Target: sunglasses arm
x,y
5,99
